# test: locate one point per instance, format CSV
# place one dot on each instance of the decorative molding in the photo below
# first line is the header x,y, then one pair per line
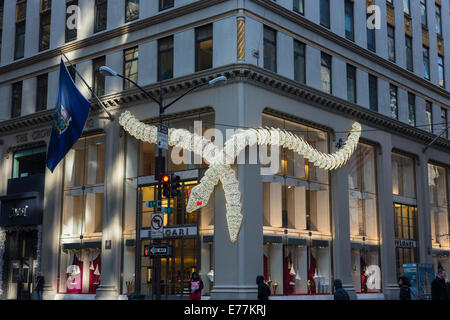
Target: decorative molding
x,y
240,38
251,74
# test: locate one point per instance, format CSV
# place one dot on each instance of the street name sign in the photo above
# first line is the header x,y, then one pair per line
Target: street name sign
x,y
163,136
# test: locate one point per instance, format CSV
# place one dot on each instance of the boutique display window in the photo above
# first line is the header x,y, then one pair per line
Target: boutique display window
x,y
437,184
364,233
439,215
296,205
81,227
403,176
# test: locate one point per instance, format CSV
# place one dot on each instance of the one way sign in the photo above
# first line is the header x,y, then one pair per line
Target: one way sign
x,y
153,251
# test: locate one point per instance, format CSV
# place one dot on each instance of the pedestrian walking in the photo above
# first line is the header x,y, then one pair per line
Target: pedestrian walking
x,y
40,281
263,289
195,287
339,291
439,290
404,284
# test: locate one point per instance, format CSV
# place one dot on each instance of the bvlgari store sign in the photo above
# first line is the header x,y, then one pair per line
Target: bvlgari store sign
x,y
23,205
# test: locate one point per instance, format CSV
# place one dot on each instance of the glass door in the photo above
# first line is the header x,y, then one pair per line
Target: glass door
x,y
173,272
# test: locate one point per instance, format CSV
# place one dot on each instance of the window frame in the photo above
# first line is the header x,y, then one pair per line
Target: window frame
x,y
41,92
270,43
198,42
100,5
129,17
16,99
170,50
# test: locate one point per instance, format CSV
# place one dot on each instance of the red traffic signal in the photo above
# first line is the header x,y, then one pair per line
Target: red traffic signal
x,y
146,251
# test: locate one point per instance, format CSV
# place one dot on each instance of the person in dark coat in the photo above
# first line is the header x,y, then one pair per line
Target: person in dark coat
x,y
263,289
339,291
404,284
439,290
40,285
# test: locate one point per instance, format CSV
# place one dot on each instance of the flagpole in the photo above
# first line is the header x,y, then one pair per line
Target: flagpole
x,y
90,89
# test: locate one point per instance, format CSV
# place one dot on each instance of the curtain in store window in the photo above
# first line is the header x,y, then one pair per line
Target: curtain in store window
x,y
95,267
75,276
311,273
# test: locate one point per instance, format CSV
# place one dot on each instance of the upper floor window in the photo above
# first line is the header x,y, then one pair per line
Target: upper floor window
x,y
438,20
165,58
131,10
204,47
270,49
16,100
429,116
351,83
326,72
393,92
441,71
130,65
299,6
1,26
29,162
41,92
299,62
45,23
71,30
371,40
409,53
101,14
325,13
444,122
407,7
426,63
21,13
349,20
391,43
373,92
166,4
411,109
99,79
423,12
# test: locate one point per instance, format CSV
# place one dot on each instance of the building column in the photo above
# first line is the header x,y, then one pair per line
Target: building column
x,y
386,219
51,221
342,260
238,264
423,211
112,213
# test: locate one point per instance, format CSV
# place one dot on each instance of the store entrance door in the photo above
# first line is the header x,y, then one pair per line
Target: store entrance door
x,y
167,278
21,253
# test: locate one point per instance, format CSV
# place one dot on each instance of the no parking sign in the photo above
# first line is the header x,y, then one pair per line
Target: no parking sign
x,y
156,226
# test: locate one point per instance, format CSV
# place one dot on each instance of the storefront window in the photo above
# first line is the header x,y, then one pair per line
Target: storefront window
x,y
193,252
296,204
147,154
29,162
80,262
363,218
439,215
405,235
403,182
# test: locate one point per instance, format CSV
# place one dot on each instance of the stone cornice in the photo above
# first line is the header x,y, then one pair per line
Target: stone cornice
x,y
327,34
249,74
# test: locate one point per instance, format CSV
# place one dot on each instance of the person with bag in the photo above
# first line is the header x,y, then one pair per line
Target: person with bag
x,y
263,289
404,284
195,287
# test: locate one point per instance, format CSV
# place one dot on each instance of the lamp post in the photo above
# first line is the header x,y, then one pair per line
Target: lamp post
x,y
159,163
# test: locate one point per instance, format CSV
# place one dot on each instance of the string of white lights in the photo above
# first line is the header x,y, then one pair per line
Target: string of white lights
x,y
220,160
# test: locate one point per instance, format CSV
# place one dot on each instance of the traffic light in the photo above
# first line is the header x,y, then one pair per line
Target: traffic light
x,y
174,185
165,181
146,251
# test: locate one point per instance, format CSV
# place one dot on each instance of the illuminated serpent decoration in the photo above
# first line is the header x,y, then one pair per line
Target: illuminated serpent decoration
x,y
220,161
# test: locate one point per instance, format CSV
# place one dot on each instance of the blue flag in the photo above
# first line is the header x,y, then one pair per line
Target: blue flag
x,y
72,110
